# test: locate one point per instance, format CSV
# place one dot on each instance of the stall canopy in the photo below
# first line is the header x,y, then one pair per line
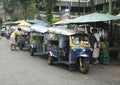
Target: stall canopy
x,y
94,17
65,21
36,21
39,28
19,21
24,24
8,23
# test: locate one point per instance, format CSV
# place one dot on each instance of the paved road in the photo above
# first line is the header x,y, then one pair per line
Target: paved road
x,y
19,68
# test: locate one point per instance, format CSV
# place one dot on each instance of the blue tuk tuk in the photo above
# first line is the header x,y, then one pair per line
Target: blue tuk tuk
x,y
66,46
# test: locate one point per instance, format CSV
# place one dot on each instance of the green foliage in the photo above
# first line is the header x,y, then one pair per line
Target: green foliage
x,y
49,8
15,18
49,17
115,11
10,6
105,8
38,16
27,9
0,21
55,20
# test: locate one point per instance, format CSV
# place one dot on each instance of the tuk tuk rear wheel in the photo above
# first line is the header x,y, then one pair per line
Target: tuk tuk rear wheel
x,y
50,60
21,47
32,51
84,67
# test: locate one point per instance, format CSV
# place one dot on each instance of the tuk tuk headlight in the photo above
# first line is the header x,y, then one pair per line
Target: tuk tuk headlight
x,y
74,49
83,49
85,42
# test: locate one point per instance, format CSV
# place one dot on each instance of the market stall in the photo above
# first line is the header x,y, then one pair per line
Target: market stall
x,y
94,19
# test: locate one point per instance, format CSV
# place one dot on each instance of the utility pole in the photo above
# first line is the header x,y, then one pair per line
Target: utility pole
x,y
78,7
110,6
110,22
92,6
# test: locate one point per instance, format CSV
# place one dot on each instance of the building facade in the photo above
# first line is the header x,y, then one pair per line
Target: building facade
x,y
82,6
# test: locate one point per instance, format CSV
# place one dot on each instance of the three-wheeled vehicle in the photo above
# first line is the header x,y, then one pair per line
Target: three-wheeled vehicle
x,y
24,40
38,40
66,46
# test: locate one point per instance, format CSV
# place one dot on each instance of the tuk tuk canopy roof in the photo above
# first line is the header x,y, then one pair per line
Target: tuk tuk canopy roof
x,y
26,29
59,30
39,28
36,21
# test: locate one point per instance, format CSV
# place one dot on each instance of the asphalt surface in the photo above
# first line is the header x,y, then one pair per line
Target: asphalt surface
x,y
19,68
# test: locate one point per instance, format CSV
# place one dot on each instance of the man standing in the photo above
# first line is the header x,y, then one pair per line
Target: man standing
x,y
13,39
96,48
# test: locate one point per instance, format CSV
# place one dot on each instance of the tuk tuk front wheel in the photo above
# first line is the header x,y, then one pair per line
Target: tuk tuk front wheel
x,y
83,65
50,60
32,51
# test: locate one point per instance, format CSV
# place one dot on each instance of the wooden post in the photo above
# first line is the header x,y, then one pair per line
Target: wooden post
x,y
78,7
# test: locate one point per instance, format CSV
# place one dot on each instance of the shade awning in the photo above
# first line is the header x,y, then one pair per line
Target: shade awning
x,y
62,22
36,21
8,23
24,24
94,17
19,21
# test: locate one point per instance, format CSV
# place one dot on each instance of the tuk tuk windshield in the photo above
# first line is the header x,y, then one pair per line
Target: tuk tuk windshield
x,y
80,38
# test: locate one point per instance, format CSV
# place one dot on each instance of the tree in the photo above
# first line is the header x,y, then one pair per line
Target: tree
x,y
10,7
28,9
49,9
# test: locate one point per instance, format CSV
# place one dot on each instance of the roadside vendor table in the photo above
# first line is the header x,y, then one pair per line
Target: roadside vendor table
x,y
117,50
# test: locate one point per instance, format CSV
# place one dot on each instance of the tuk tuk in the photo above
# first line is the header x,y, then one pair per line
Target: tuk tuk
x,y
38,41
67,47
24,40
